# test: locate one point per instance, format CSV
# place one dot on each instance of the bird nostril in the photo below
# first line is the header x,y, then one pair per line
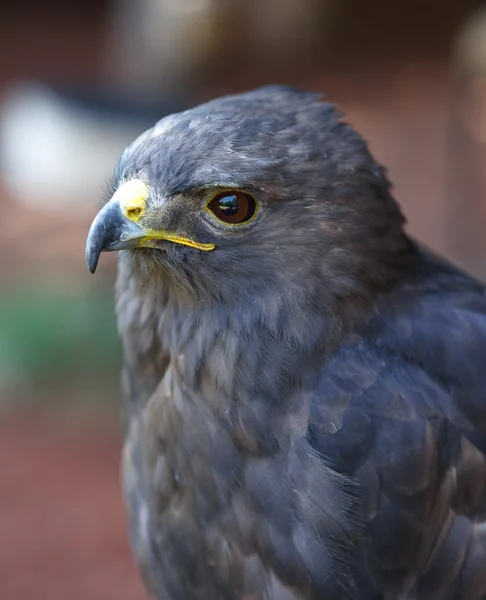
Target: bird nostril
x,y
134,213
132,197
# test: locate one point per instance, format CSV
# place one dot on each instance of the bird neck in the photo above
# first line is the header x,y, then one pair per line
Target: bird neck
x,y
270,349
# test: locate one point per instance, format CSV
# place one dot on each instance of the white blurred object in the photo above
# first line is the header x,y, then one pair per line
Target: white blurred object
x,y
469,48
54,153
469,61
466,175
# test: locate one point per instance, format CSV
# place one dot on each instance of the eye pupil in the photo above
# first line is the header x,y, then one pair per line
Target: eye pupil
x,y
233,208
229,205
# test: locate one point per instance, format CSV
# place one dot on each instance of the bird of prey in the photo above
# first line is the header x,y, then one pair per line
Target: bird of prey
x,y
304,384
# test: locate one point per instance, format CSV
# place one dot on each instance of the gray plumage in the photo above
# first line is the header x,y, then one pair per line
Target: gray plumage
x,y
305,404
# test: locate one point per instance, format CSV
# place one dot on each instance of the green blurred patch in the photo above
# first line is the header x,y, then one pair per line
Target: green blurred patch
x,y
58,338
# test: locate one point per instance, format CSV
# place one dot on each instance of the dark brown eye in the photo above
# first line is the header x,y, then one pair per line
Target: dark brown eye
x,y
235,208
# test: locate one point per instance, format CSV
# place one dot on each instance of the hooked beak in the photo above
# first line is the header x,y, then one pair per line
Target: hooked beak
x,y
116,226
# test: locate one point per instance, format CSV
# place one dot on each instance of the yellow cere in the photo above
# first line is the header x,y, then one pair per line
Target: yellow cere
x,y
132,197
152,234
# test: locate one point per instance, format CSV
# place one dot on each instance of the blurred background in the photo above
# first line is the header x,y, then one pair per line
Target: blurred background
x,y
76,85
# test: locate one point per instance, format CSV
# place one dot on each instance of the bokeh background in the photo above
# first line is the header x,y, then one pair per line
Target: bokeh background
x,y
78,81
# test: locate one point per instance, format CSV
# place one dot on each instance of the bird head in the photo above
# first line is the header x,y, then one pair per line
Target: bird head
x,y
248,196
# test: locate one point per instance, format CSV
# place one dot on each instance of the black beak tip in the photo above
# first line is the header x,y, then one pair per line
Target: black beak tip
x,y
94,245
92,264
92,258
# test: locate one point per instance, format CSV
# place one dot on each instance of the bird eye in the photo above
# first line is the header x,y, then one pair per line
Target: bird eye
x,y
235,208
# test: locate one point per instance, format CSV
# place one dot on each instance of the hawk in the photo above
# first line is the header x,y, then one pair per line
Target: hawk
x,y
304,385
